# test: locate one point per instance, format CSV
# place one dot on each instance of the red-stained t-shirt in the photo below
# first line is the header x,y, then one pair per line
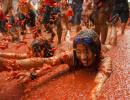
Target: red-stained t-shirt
x,y
69,13
49,2
2,16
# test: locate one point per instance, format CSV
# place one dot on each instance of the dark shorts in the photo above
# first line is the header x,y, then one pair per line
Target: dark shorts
x,y
77,9
30,20
123,14
2,26
47,15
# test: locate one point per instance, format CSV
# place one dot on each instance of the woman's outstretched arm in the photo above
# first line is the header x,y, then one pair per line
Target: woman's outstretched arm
x,y
105,70
36,62
13,55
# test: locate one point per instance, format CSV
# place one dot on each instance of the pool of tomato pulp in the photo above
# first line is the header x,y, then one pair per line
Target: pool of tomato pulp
x,y
72,85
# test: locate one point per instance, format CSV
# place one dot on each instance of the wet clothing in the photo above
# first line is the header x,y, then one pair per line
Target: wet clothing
x,y
121,7
11,22
27,20
100,16
25,8
77,9
47,15
49,2
69,13
2,16
2,22
2,26
50,17
87,10
49,12
121,4
102,11
26,15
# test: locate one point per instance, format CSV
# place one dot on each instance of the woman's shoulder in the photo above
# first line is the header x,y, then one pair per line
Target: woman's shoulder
x,y
106,65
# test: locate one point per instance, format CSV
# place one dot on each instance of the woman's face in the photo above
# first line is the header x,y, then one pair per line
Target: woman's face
x,y
84,55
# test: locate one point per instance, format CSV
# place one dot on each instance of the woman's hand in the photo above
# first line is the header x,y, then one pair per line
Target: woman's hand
x,y
9,64
96,91
25,76
18,75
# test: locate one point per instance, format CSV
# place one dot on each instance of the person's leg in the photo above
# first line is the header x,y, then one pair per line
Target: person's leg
x,y
50,30
23,22
102,18
114,37
97,29
59,31
77,15
123,25
47,14
124,15
31,19
77,18
2,27
104,30
94,18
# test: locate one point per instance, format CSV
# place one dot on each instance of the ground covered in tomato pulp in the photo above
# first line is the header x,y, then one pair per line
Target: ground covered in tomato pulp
x,y
74,85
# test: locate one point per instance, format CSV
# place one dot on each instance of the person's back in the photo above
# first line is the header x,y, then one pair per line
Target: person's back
x,y
121,4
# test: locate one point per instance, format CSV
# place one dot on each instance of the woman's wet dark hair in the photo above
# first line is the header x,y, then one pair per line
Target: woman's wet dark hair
x,y
39,45
89,38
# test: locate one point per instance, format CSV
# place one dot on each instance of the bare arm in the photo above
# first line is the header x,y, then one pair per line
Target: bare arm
x,y
36,62
105,70
13,55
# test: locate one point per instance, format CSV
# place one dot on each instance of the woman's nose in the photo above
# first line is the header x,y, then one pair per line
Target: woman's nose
x,y
83,56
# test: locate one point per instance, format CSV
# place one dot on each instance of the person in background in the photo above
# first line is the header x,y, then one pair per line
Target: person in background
x,y
100,15
77,9
26,16
12,26
46,20
87,10
121,7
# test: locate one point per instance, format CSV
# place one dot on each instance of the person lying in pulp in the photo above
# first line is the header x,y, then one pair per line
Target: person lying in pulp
x,y
86,53
41,48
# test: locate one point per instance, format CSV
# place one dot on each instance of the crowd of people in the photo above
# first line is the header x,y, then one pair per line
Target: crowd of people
x,y
95,15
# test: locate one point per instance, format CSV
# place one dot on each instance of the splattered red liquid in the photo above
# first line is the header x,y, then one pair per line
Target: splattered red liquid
x,y
76,85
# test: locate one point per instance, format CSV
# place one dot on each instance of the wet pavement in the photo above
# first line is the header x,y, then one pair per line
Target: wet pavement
x,y
117,87
70,86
